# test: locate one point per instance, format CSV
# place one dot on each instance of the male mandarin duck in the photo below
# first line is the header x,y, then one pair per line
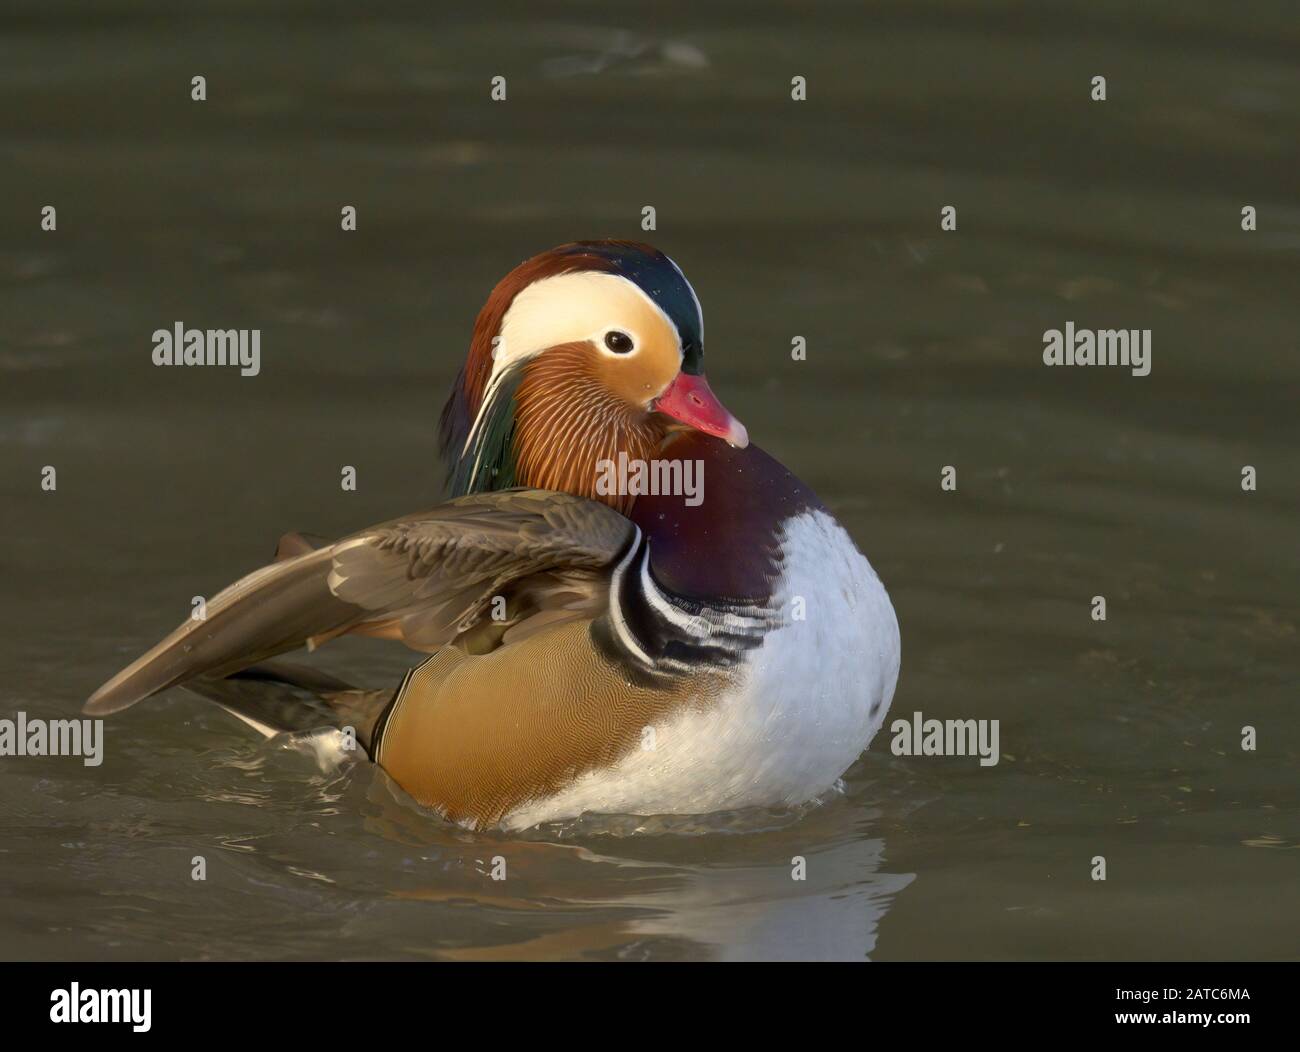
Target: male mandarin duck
x,y
592,651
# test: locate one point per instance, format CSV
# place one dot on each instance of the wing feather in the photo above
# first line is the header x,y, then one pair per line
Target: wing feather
x,y
429,580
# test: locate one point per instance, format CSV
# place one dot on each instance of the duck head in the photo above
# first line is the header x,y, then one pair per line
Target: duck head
x,y
581,353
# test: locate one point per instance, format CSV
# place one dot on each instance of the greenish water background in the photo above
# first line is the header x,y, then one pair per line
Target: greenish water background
x,y
817,219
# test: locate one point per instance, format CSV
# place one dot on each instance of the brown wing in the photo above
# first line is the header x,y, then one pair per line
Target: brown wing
x,y
485,569
477,571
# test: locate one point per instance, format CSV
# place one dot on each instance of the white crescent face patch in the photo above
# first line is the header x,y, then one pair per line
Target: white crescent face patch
x,y
569,308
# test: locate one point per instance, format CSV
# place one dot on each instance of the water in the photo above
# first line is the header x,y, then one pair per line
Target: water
x,y
819,219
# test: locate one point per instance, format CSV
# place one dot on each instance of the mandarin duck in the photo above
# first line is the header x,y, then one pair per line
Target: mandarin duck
x,y
594,647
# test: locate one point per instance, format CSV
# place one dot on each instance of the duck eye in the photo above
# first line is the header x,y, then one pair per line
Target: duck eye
x,y
618,342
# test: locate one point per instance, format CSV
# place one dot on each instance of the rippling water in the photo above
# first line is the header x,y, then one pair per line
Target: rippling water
x,y
820,219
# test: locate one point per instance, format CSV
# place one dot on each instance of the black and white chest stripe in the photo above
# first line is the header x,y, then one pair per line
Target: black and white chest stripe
x,y
659,632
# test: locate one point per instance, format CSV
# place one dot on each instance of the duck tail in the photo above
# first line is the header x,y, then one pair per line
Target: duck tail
x,y
277,697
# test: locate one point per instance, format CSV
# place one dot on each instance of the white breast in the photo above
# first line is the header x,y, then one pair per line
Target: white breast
x,y
809,701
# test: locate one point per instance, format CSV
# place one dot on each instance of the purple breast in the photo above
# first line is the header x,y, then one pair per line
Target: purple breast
x,y
728,545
